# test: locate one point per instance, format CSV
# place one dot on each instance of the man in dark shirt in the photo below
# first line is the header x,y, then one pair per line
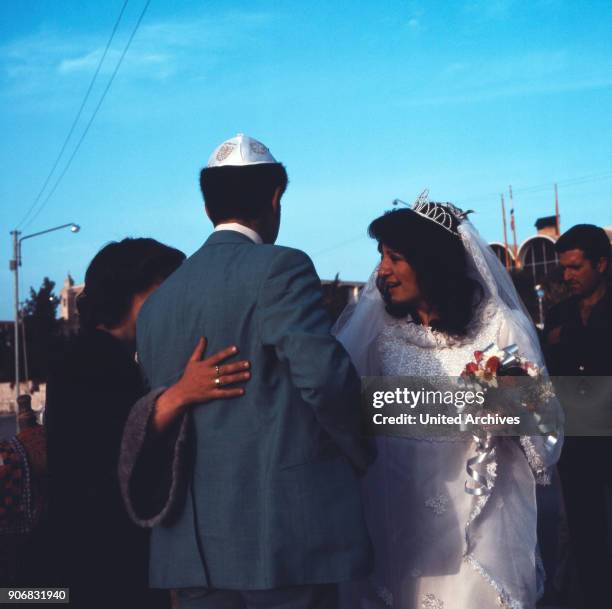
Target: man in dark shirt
x,y
578,339
578,330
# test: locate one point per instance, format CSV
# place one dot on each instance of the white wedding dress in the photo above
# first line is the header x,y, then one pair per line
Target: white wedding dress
x,y
436,546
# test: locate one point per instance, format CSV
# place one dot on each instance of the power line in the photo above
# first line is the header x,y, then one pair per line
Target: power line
x,y
569,182
78,115
595,177
341,244
527,189
93,116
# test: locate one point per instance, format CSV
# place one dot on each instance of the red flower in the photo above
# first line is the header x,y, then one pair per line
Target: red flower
x,y
492,364
471,368
478,356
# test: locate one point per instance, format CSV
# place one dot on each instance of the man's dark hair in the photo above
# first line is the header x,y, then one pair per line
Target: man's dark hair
x,y
591,239
439,260
118,272
241,192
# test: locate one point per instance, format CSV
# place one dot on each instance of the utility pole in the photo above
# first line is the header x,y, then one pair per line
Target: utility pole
x,y
513,227
557,217
14,266
507,252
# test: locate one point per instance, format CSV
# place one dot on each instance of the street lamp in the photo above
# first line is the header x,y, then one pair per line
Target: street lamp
x,y
14,265
540,293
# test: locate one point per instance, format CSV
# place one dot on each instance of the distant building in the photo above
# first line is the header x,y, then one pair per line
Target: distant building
x,y
349,289
506,256
536,254
69,314
548,226
337,294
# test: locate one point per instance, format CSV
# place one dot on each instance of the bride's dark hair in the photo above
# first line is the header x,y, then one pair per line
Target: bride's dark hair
x,y
438,258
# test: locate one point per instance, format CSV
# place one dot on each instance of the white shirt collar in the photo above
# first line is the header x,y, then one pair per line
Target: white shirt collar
x,y
240,228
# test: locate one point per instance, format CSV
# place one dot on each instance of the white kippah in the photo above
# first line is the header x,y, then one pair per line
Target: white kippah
x,y
240,151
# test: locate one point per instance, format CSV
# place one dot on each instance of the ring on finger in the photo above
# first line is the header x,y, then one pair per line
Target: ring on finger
x,y
217,371
218,381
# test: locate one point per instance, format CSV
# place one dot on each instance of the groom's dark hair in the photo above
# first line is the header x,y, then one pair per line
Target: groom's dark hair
x,y
439,260
241,192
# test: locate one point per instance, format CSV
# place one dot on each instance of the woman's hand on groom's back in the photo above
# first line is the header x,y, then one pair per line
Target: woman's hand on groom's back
x,y
203,380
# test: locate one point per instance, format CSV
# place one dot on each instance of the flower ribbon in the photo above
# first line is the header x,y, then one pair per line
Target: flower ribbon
x,y
484,445
484,456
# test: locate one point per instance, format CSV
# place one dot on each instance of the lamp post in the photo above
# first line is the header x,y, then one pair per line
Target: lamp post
x,y
540,293
14,265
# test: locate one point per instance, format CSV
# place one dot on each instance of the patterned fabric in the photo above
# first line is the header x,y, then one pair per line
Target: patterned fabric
x,y
16,515
22,481
431,602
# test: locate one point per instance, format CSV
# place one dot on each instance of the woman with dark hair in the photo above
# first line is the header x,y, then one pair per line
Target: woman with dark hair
x,y
438,295
94,548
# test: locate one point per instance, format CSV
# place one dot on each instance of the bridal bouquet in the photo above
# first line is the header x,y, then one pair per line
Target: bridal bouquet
x,y
492,362
495,369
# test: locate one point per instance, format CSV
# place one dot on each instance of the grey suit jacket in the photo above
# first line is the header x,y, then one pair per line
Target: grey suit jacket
x,y
271,493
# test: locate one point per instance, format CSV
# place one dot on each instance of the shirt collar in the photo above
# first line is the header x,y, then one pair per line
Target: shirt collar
x,y
240,228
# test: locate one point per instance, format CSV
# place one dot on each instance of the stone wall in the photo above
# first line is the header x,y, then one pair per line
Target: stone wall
x,y
7,397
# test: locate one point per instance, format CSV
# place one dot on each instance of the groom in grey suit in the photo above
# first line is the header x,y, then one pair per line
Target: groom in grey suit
x,y
269,514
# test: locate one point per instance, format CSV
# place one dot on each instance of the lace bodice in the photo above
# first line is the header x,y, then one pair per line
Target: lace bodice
x,y
405,348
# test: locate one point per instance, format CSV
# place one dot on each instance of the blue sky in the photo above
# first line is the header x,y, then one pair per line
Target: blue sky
x,y
362,101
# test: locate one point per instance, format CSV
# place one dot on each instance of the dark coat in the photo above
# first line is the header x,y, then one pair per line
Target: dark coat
x,y
583,349
581,367
93,546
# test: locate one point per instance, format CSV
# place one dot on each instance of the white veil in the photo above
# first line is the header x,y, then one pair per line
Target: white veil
x,y
487,269
360,323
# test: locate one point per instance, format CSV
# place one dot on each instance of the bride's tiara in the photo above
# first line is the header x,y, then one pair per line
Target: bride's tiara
x,y
446,215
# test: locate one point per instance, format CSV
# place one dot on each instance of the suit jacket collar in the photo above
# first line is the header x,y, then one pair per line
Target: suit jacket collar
x,y
227,236
240,228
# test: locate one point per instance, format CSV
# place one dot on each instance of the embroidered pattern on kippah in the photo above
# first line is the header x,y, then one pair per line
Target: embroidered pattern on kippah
x,y
258,148
224,151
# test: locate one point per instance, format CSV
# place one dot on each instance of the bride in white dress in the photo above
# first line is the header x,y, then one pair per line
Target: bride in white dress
x,y
438,295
